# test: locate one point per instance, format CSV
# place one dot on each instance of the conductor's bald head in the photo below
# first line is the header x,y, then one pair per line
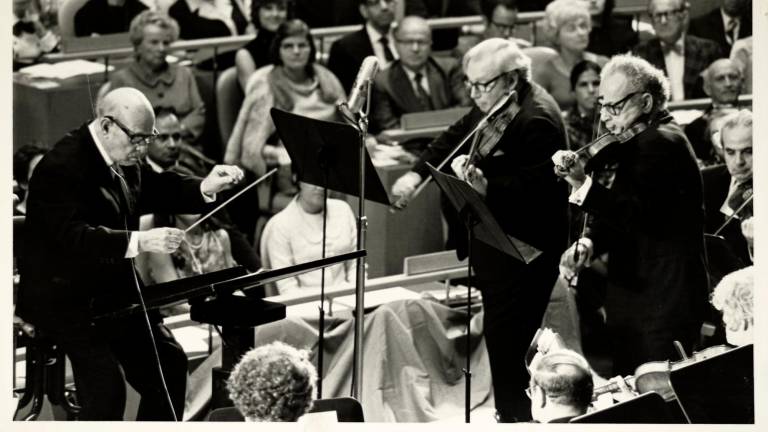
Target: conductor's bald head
x,y
125,123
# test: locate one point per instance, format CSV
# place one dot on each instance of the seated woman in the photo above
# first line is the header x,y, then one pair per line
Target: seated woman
x,y
201,19
295,235
569,23
266,15
580,118
164,84
733,296
273,383
293,82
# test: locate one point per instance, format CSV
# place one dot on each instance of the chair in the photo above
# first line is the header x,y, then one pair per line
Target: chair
x,y
229,98
66,16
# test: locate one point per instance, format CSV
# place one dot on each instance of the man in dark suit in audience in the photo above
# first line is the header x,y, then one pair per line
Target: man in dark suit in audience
x,y
682,57
725,25
102,17
417,81
726,186
722,83
85,201
375,38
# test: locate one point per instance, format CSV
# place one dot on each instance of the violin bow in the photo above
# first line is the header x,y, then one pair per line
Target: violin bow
x,y
734,215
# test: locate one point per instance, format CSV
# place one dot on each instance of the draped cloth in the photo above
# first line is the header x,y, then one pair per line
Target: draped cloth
x,y
414,352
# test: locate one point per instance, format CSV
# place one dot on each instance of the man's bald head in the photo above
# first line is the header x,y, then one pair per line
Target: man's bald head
x,y
414,42
722,81
130,107
413,23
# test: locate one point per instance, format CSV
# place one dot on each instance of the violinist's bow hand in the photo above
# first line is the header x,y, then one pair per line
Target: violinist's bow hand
x,y
403,189
221,177
470,174
578,256
570,167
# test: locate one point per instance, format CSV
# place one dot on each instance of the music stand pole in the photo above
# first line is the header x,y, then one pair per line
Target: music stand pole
x,y
362,227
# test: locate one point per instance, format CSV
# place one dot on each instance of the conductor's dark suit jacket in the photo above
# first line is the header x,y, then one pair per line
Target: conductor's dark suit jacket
x,y
393,93
78,226
347,54
651,223
698,55
523,193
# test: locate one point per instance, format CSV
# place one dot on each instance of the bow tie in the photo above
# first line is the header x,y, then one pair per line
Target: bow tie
x,y
676,48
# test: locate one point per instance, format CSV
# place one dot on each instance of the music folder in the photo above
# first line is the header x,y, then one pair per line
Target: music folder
x,y
465,199
327,154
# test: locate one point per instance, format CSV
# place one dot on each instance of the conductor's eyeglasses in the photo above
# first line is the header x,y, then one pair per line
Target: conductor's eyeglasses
x,y
136,139
482,87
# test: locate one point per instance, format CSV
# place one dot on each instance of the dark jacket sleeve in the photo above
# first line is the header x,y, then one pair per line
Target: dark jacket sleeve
x,y
382,115
170,192
441,147
340,62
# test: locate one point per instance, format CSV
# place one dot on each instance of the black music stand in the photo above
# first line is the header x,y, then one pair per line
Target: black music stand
x,y
326,154
718,390
482,226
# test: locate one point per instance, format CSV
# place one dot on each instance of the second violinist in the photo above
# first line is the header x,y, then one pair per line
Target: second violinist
x,y
648,216
509,165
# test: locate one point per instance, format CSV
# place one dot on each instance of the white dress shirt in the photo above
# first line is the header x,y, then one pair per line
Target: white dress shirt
x,y
424,82
378,50
674,62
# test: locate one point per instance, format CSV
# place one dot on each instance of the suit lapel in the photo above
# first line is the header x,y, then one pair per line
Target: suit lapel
x,y
437,87
403,91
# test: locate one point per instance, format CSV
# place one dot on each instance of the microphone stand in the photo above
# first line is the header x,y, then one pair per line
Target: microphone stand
x,y
362,225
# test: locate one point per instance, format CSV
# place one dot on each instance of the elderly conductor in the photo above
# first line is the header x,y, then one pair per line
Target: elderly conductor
x,y
85,200
512,170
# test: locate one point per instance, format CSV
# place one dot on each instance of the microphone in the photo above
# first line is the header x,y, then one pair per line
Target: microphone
x,y
368,70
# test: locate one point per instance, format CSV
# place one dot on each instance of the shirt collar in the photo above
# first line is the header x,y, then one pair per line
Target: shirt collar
x,y
150,78
678,46
99,146
727,19
152,164
375,35
411,74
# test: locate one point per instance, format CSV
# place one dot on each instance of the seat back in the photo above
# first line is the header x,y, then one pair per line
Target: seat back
x,y
229,98
66,16
347,409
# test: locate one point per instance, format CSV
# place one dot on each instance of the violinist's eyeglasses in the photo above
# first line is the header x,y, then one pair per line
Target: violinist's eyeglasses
x,y
667,15
617,107
137,139
482,87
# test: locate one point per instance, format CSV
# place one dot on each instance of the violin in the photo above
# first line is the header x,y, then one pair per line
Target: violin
x,y
654,375
403,201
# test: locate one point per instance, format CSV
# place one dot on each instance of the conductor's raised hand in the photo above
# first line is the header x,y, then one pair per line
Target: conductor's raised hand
x,y
160,240
569,166
221,177
578,256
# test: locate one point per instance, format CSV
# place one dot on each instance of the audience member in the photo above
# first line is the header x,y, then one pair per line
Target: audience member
x,y
726,24
681,56
727,186
734,297
31,38
25,159
561,386
100,17
293,82
742,55
611,34
295,235
165,85
417,81
200,19
170,152
444,39
499,21
376,38
266,15
722,83
580,119
569,23
273,383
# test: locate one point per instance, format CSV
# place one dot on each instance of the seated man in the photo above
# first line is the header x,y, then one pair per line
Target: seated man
x,y
417,81
726,24
273,383
722,82
682,57
561,386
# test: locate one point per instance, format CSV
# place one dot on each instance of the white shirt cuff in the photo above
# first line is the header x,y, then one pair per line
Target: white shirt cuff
x,y
207,198
133,246
577,196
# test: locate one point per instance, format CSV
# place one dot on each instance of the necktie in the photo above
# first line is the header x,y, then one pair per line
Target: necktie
x,y
426,101
742,193
730,32
676,48
387,52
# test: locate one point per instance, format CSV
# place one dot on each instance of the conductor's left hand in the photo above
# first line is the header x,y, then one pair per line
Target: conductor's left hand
x,y
221,178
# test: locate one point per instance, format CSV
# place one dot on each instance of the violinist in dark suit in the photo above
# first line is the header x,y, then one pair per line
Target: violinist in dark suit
x,y
85,201
375,38
511,169
727,186
647,214
417,81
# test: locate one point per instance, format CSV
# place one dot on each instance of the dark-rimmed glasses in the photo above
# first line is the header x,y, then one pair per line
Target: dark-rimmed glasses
x,y
617,107
136,139
482,87
674,13
372,3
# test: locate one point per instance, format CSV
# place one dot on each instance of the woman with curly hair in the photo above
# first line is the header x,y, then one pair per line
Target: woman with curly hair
x,y
273,383
733,296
